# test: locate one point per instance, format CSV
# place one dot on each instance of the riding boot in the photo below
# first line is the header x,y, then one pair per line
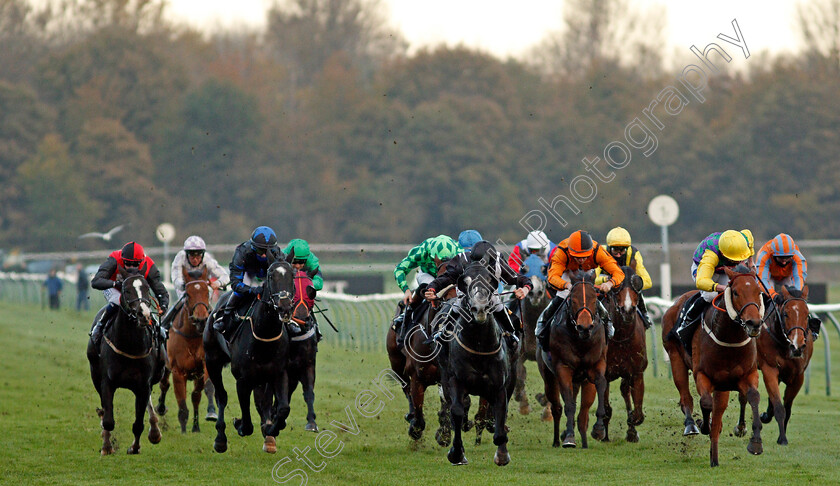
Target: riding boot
x,y
405,325
170,314
225,323
814,324
543,328
642,310
98,328
503,318
605,318
688,320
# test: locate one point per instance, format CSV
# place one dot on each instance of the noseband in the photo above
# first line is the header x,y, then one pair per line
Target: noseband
x,y
126,303
734,315
573,318
780,319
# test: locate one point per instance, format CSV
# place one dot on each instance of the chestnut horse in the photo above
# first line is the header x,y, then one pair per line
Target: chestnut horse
x,y
577,353
185,348
627,352
130,357
784,351
723,357
417,365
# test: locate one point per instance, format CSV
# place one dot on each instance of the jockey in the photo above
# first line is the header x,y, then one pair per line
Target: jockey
x,y
485,253
193,257
251,260
302,259
781,263
718,250
468,238
131,257
577,252
425,257
625,254
536,243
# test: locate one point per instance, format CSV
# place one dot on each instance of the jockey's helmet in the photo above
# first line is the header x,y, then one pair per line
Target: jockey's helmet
x,y
468,238
132,254
618,236
734,245
300,250
783,245
443,247
537,240
193,243
750,241
483,250
580,244
263,238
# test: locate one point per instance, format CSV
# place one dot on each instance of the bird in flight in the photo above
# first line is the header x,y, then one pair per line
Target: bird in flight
x,y
105,236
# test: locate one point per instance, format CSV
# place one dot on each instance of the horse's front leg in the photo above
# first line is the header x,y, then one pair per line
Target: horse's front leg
x,y
141,399
214,371
164,388
564,377
106,414
599,430
308,385
154,431
198,387
458,412
444,432
179,383
417,424
500,435
587,398
719,403
791,390
771,384
705,389
520,394
679,372
210,393
755,447
741,427
244,426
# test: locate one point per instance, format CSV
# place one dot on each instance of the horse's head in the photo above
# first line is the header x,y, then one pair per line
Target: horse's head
x,y
793,315
197,290
479,291
583,304
538,295
136,297
626,296
742,296
280,289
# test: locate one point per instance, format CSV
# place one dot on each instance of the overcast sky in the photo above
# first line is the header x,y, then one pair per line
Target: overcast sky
x,y
497,27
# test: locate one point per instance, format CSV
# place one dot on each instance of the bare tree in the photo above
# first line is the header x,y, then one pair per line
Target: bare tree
x,y
819,27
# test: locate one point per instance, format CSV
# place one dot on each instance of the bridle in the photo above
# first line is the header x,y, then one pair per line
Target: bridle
x,y
126,304
780,318
573,318
734,315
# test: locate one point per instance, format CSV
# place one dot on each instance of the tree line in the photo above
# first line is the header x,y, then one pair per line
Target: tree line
x,y
324,127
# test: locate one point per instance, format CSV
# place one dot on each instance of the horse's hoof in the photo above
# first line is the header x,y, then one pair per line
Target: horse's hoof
x,y
740,430
270,445
220,446
782,441
196,429
211,417
632,436
311,427
690,429
556,443
468,425
755,448
525,409
541,399
409,417
155,436
457,458
766,418
569,443
133,450
443,437
106,451
704,427
599,432
161,409
415,433
242,428
501,459
546,415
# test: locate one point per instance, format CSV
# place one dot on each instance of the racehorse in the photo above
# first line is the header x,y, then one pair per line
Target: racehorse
x,y
577,353
128,357
531,308
723,356
303,349
417,365
185,347
258,356
627,352
784,352
476,360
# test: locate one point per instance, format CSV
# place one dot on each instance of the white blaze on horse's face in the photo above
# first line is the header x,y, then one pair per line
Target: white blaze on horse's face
x,y
197,286
144,308
280,271
798,339
628,302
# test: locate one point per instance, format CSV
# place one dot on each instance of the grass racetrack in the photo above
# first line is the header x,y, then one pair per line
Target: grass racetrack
x,y
51,434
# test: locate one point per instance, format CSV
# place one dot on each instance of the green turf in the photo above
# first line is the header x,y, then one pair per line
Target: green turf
x,y
51,432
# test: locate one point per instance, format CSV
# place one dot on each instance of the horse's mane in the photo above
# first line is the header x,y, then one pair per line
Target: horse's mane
x,y
794,292
583,276
741,268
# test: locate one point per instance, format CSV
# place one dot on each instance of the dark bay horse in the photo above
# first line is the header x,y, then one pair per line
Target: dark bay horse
x,y
577,354
476,360
723,357
185,347
303,349
258,356
531,308
128,357
417,365
627,352
784,351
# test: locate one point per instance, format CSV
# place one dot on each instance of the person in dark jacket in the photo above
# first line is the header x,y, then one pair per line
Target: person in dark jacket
x,y
131,257
486,254
54,287
251,260
82,288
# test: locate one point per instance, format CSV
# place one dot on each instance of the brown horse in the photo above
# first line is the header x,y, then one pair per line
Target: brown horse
x,y
185,348
577,353
416,364
723,356
627,352
784,351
